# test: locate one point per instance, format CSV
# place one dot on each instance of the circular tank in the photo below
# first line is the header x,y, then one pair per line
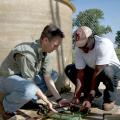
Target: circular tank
x,y
23,20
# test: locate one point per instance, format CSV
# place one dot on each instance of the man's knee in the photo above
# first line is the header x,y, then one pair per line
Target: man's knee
x,y
54,75
69,69
107,76
30,91
71,73
108,72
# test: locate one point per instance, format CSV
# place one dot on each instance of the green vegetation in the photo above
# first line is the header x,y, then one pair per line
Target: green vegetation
x,y
117,39
68,116
92,18
118,53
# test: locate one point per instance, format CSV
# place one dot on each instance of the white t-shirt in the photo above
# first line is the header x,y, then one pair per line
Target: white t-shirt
x,y
102,53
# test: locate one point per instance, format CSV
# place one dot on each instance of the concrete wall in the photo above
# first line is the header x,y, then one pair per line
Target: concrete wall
x,y
23,20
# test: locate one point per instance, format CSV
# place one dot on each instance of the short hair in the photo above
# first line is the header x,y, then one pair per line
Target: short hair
x,y
50,31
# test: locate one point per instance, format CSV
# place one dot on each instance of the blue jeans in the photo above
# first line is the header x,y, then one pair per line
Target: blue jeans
x,y
39,80
19,90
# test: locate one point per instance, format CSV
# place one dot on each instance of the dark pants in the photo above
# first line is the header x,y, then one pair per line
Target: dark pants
x,y
107,76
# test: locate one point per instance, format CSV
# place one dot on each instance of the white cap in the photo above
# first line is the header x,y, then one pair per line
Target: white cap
x,y
88,32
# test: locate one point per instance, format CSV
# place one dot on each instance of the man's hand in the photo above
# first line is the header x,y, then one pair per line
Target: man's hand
x,y
86,104
85,107
51,107
75,101
64,102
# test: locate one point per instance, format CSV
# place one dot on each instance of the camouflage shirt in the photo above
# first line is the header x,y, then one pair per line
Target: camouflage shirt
x,y
30,62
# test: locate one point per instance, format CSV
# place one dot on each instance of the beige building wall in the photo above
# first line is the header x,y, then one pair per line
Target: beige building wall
x,y
23,20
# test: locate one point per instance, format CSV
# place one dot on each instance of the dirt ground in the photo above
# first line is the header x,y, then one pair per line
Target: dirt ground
x,y
96,113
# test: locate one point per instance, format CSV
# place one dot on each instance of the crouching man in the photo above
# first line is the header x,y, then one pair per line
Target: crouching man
x,y
27,73
95,62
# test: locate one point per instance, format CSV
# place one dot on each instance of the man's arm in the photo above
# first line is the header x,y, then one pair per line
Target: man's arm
x,y
25,67
51,86
79,83
46,69
87,102
97,71
78,86
40,94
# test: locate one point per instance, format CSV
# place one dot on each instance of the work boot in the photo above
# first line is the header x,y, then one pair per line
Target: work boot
x,y
108,106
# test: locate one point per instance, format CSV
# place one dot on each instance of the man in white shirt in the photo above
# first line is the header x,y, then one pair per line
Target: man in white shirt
x,y
95,62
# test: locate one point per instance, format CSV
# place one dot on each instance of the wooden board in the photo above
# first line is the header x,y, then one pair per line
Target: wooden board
x,y
111,117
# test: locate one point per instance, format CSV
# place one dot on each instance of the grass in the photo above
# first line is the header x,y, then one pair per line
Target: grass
x,y
118,53
66,116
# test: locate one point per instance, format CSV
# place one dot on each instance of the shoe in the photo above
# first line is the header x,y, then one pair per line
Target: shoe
x,y
108,106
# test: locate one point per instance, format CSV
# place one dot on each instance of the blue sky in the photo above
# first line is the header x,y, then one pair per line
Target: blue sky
x,y
110,8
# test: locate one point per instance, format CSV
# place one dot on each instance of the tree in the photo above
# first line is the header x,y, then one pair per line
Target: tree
x,y
117,39
91,18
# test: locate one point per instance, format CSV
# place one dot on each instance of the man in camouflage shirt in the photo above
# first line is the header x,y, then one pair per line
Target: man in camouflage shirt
x,y
27,72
